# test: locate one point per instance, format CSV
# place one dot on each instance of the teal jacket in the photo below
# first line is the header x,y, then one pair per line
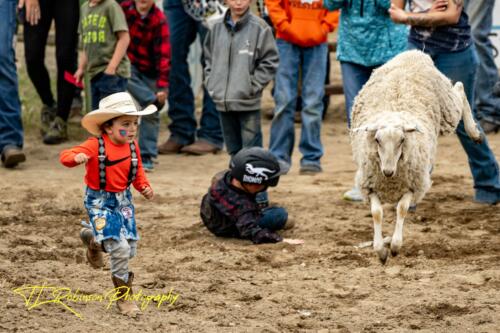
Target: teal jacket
x,y
367,36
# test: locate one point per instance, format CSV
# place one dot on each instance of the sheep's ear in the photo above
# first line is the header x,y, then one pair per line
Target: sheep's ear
x,y
411,128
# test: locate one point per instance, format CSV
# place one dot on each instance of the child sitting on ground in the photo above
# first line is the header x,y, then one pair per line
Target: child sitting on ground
x,y
229,208
113,163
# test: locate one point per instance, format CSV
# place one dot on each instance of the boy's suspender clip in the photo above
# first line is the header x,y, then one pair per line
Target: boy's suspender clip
x,y
134,162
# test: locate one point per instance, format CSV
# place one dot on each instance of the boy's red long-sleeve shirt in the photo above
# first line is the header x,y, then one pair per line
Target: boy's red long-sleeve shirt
x,y
117,164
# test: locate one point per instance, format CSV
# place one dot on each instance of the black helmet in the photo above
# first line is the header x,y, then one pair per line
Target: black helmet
x,y
255,166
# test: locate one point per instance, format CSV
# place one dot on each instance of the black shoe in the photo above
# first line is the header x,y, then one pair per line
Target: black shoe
x,y
12,156
489,127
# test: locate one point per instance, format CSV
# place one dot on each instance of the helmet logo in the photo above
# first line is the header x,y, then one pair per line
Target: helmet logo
x,y
257,174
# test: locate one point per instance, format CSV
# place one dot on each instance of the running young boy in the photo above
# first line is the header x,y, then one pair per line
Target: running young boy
x,y
149,53
229,208
105,39
113,163
241,58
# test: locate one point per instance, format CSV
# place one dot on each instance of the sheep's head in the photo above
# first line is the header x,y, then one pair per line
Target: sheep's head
x,y
389,141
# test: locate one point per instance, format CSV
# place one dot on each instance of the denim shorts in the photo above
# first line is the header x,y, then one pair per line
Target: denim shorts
x,y
111,214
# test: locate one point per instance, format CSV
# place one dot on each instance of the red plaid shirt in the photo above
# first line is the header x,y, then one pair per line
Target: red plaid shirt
x,y
149,48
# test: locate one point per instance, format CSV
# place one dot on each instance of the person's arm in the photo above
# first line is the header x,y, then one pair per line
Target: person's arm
x,y
79,154
334,4
120,52
162,54
141,182
248,229
277,14
207,56
430,19
330,21
81,66
268,61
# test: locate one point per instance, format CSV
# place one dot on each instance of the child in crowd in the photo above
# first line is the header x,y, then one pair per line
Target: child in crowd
x,y
229,208
241,58
149,53
302,28
105,39
113,163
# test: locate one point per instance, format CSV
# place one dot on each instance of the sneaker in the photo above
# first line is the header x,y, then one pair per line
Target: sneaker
x,y
354,194
57,133
310,169
148,165
47,114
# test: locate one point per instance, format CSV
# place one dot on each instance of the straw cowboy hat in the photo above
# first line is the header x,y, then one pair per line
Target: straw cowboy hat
x,y
112,106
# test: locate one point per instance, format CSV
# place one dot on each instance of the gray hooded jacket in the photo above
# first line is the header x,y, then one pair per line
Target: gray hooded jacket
x,y
239,62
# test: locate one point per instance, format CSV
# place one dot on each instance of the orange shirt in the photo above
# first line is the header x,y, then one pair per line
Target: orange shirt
x,y
302,22
116,174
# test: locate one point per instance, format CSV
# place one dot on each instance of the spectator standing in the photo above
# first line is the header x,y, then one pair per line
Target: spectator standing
x,y
367,39
446,37
65,14
480,14
149,54
301,31
11,126
184,137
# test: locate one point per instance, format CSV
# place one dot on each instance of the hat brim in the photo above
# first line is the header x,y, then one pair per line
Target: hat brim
x,y
92,121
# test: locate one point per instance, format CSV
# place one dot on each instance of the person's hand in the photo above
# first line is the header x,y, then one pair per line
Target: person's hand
x,y
110,71
81,158
293,241
161,96
397,14
147,192
78,75
33,13
439,6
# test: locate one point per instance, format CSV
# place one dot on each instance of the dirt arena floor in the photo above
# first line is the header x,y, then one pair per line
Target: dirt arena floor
x,y
446,279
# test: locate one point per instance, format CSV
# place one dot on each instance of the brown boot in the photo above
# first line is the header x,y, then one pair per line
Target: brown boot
x,y
126,306
12,156
94,249
200,147
169,147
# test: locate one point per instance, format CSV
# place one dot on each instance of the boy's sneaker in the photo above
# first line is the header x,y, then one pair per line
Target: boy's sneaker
x,y
48,114
310,169
354,194
148,165
57,133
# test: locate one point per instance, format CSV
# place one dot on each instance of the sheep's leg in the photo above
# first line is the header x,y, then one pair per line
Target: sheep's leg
x,y
402,210
469,123
378,216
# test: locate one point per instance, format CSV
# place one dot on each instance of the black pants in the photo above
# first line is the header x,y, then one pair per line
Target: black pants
x,y
66,14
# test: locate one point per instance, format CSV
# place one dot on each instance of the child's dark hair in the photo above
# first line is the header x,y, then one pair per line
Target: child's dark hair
x,y
107,123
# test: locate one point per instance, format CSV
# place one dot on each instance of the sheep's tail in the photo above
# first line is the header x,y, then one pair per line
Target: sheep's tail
x,y
470,125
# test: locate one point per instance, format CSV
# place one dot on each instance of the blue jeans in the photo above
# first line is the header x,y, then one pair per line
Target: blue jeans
x,y
462,66
241,129
285,95
354,77
480,14
11,126
183,31
103,85
273,218
143,89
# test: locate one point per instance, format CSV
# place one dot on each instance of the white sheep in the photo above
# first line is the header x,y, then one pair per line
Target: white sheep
x,y
396,120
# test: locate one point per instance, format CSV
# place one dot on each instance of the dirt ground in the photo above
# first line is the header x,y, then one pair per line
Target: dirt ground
x,y
447,278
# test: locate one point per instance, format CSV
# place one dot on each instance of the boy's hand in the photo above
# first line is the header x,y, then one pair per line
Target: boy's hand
x,y
78,75
161,96
81,158
439,6
147,192
110,70
293,241
397,14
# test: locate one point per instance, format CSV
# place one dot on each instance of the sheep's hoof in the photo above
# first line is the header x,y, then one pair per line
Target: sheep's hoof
x,y
382,255
395,250
394,253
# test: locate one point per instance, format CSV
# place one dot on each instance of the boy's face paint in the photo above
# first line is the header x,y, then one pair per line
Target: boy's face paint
x,y
123,132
